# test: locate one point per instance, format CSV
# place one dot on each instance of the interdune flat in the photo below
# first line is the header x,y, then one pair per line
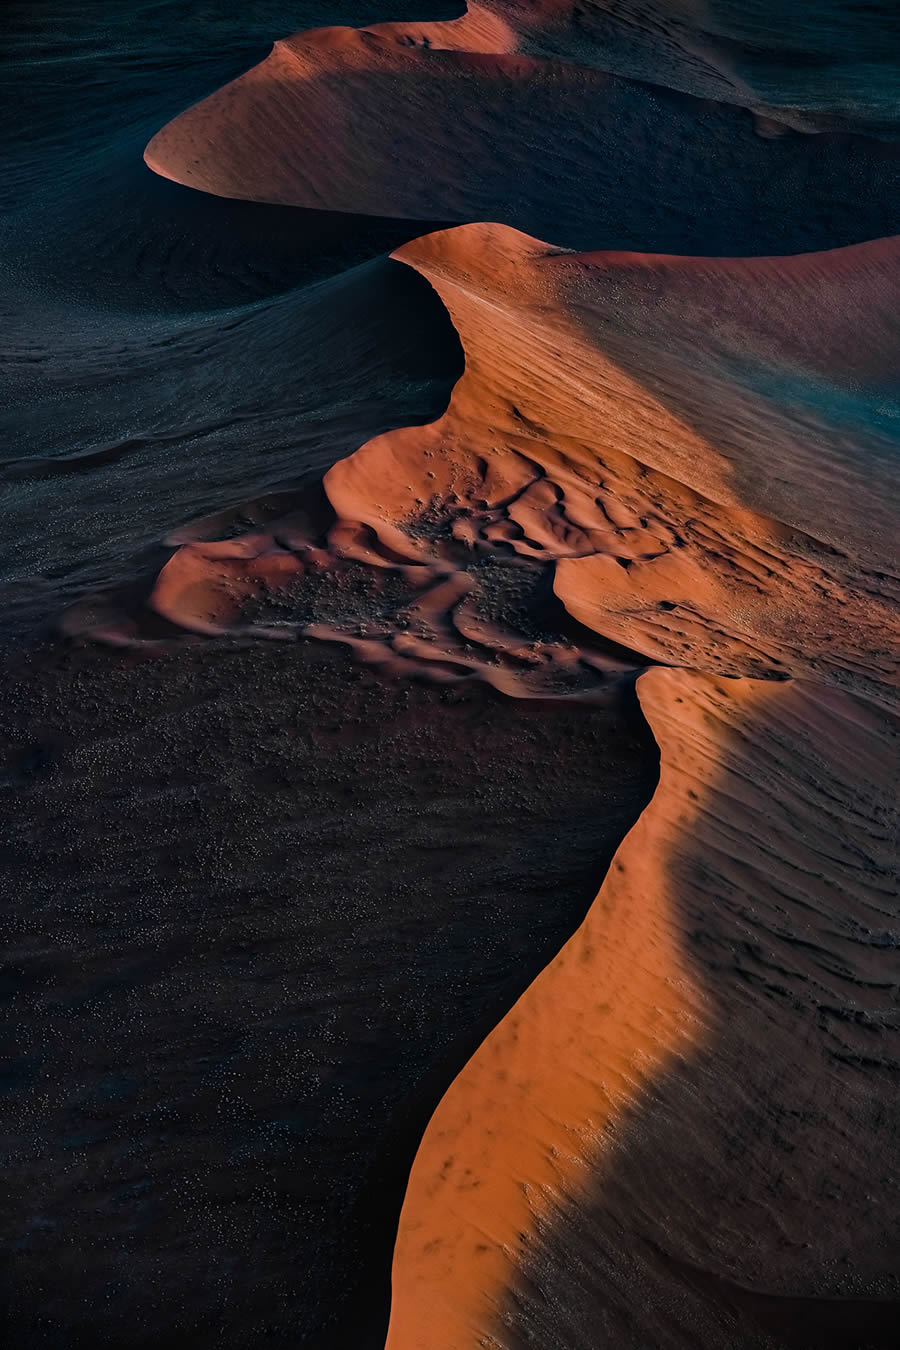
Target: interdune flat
x,y
809,66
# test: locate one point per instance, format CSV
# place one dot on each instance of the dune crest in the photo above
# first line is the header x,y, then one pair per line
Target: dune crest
x,y
551,1082
686,461
649,468
515,113
730,943
610,441
602,493
811,67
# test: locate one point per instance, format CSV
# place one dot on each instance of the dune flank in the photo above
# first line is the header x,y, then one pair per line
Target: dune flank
x,y
647,460
680,462
693,1073
611,440
459,122
530,980
811,67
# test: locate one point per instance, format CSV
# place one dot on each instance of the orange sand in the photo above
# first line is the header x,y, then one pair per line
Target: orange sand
x,y
747,775
701,454
262,136
615,424
471,120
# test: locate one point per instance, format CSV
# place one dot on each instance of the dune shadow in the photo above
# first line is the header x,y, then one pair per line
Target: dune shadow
x,y
748,1196
266,905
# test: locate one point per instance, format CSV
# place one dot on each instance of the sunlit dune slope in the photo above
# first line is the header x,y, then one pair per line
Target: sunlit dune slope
x,y
700,454
687,1121
710,448
452,122
698,1094
665,484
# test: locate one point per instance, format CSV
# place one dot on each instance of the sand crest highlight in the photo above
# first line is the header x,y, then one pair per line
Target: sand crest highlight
x,y
475,120
549,352
611,437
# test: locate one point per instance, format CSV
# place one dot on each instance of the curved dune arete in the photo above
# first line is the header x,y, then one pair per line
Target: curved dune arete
x,y
698,1095
685,1131
695,457
612,438
460,122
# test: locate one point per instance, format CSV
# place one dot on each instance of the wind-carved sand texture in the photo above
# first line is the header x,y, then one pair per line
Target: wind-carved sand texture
x,y
685,1131
610,441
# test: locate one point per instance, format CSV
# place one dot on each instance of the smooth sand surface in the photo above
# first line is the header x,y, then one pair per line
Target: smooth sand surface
x,y
735,930
610,441
261,905
812,66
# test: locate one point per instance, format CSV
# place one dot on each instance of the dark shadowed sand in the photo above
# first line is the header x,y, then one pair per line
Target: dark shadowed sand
x,y
260,906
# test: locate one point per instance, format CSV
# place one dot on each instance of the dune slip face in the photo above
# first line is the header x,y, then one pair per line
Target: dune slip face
x,y
601,494
690,462
708,1069
606,456
638,265
460,122
261,905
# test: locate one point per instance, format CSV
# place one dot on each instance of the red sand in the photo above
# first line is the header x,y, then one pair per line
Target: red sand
x,y
751,776
468,120
700,454
614,425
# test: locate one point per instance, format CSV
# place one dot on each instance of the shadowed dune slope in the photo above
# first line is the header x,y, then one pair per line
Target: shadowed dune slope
x,y
259,906
136,425
698,454
684,1132
692,1112
820,64
262,905
452,123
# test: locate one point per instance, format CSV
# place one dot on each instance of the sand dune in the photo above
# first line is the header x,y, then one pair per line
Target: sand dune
x,y
684,1132
618,415
811,66
173,420
211,1022
612,437
452,122
692,1074
694,457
